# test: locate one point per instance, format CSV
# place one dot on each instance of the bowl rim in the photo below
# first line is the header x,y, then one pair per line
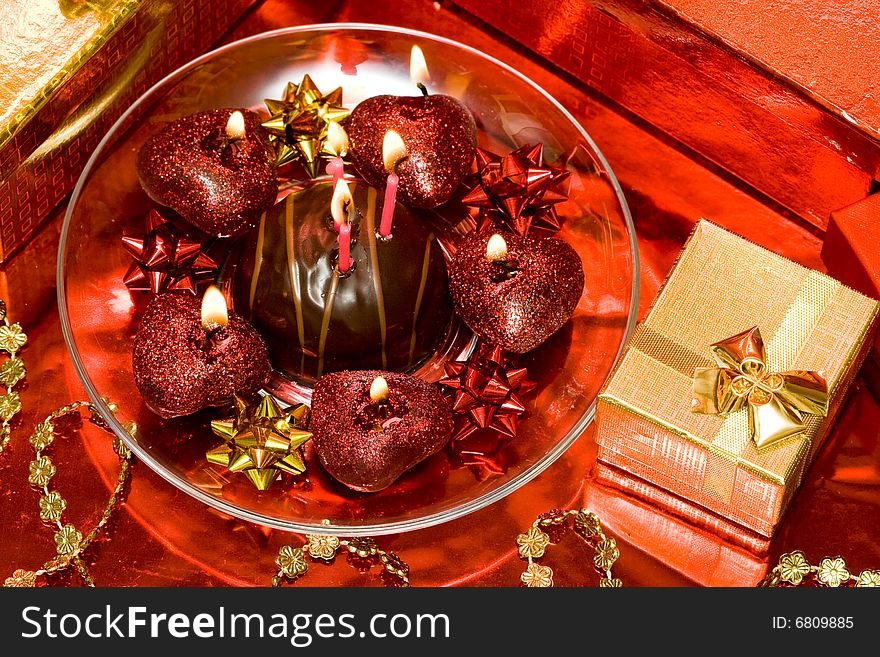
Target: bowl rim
x,y
410,524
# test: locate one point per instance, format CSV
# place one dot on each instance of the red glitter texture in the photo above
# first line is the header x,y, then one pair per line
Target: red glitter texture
x,y
440,137
345,425
520,302
219,186
179,369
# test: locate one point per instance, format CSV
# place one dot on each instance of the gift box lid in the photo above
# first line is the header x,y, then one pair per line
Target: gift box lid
x,y
43,43
71,68
720,286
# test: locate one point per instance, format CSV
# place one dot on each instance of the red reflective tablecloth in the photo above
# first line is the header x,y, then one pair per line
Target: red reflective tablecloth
x,y
163,537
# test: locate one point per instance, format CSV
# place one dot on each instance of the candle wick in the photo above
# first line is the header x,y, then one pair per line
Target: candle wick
x,y
422,88
503,270
211,331
213,328
225,146
397,164
350,211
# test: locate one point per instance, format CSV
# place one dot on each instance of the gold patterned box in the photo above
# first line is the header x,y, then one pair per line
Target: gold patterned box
x,y
698,389
70,68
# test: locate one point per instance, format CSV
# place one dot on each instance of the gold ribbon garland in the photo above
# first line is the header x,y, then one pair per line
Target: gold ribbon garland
x,y
532,545
69,541
292,563
793,569
776,402
12,339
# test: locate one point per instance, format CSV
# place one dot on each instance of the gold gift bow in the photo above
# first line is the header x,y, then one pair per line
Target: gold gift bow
x,y
776,401
262,441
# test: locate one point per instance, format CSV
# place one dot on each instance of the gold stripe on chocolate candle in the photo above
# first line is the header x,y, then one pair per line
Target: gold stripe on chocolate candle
x,y
258,263
293,270
325,321
377,274
425,262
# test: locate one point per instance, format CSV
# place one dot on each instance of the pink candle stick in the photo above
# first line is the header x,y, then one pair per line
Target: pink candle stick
x,y
336,168
388,205
337,143
344,240
393,153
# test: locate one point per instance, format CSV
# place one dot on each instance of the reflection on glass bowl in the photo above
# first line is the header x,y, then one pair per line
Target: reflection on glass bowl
x,y
100,316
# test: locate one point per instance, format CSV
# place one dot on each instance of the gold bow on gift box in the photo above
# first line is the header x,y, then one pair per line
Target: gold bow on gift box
x,y
777,401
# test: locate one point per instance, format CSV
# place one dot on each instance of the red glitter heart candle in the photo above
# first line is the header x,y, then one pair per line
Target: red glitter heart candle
x,y
216,169
190,354
369,427
438,132
515,291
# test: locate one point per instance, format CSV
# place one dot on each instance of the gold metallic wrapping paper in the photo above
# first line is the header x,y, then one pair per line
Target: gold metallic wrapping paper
x,y
70,68
722,285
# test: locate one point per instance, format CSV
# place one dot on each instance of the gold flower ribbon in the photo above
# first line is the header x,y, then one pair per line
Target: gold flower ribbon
x,y
776,401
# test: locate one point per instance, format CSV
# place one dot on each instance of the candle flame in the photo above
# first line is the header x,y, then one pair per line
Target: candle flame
x,y
496,249
235,125
418,67
340,202
337,138
214,311
393,150
379,390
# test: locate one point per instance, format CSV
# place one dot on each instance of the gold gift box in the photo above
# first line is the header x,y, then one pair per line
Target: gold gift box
x,y
720,286
70,69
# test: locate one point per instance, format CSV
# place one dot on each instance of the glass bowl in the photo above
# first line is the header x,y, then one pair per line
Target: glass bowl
x,y
99,315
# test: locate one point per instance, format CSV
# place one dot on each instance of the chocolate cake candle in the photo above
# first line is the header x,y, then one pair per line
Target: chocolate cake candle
x,y
390,310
